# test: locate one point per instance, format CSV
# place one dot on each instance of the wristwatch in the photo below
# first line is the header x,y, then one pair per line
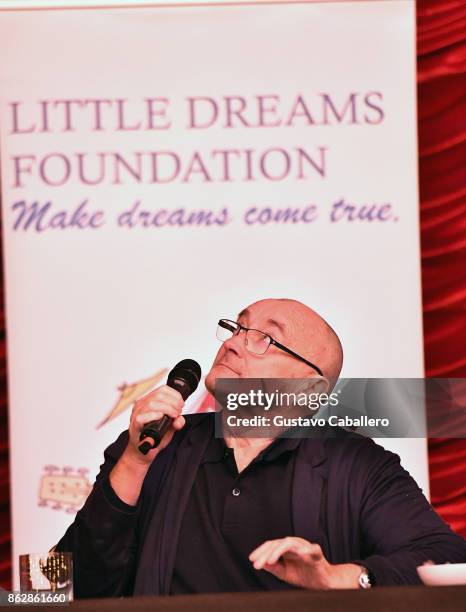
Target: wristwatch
x,y
364,579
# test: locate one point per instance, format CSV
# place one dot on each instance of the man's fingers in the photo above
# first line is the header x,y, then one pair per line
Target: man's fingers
x,y
277,569
163,395
147,417
173,393
290,548
315,552
154,406
157,413
289,552
165,392
290,539
260,550
179,422
257,552
157,402
272,553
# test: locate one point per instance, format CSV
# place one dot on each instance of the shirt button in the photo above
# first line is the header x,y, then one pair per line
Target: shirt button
x,y
236,492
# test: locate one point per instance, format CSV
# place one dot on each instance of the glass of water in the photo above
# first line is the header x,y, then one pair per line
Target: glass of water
x,y
50,573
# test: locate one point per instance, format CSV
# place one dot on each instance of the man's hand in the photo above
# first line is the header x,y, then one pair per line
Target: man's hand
x,y
162,401
130,470
301,563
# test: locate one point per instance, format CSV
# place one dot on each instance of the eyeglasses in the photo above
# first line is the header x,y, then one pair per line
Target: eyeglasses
x,y
257,342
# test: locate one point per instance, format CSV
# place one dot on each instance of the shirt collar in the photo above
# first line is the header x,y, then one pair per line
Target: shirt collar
x,y
217,449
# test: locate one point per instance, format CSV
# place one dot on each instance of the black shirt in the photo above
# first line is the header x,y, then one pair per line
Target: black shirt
x,y
229,514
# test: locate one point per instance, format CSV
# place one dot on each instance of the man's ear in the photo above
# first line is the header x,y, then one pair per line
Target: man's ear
x,y
318,384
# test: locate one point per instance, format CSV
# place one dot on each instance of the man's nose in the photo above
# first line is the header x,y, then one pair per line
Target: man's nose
x,y
237,343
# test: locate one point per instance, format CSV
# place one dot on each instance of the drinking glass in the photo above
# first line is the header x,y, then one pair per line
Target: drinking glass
x,y
50,572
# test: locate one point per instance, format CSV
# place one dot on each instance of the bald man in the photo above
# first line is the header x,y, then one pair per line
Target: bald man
x,y
207,514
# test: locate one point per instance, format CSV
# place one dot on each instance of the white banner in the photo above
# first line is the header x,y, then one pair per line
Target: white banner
x,y
163,167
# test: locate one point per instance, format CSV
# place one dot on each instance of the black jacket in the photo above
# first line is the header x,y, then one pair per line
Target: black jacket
x,y
349,495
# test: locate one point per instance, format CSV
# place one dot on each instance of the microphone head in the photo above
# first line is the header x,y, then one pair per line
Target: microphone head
x,y
189,364
185,377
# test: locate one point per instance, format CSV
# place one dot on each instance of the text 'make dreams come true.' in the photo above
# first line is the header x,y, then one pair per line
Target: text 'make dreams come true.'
x,y
193,115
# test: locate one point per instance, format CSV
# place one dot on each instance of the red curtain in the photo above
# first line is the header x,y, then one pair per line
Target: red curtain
x,y
442,169
441,51
5,531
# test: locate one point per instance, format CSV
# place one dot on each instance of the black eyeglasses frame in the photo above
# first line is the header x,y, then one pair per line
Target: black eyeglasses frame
x,y
272,341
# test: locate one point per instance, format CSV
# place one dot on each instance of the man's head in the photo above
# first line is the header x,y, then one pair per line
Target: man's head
x,y
290,323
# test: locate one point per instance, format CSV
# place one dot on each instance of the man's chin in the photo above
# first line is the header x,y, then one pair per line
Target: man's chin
x,y
218,371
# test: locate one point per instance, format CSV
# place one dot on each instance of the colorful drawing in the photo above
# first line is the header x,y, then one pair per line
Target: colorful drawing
x,y
129,393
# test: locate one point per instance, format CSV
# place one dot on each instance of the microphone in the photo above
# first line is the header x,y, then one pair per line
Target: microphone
x,y
184,378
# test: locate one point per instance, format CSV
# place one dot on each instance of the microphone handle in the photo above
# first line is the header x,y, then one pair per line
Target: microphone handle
x,y
153,432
